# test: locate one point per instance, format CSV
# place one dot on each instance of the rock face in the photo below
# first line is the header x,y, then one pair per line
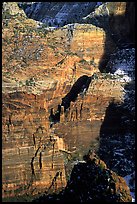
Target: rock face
x,y
39,150
58,13
40,69
61,53
118,128
92,181
118,19
12,8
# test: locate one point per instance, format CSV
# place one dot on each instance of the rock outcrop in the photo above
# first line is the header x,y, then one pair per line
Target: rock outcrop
x,y
117,19
39,150
11,8
58,13
91,181
40,68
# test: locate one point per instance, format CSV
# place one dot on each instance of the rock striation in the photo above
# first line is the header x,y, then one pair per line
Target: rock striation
x,y
58,13
117,19
40,70
91,181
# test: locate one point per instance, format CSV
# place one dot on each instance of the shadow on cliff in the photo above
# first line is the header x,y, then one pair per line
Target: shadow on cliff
x,y
117,138
119,30
117,133
52,13
79,87
90,181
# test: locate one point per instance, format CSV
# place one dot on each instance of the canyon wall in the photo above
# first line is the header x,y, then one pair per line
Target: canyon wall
x,y
39,69
57,13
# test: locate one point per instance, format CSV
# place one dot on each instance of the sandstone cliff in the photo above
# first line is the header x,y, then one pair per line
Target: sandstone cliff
x,y
39,69
117,19
91,181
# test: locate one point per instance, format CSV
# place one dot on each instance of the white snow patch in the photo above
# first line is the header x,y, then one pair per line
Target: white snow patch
x,y
127,179
79,161
120,150
118,153
123,75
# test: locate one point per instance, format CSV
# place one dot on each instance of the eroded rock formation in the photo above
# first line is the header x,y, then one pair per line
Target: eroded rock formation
x,y
92,181
57,13
39,70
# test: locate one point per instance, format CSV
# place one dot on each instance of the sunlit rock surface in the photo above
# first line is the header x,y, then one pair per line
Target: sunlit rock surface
x,y
39,150
12,8
91,181
117,18
39,69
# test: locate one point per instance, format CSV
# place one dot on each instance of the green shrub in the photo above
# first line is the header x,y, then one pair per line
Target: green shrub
x,y
6,15
30,82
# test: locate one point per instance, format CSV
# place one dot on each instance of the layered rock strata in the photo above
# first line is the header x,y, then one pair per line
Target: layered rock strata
x,y
39,70
91,181
39,149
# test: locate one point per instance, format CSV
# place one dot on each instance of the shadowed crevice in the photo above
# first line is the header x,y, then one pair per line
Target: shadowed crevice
x,y
79,87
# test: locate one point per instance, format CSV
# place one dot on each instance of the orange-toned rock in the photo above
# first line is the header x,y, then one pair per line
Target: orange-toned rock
x,y
100,183
39,69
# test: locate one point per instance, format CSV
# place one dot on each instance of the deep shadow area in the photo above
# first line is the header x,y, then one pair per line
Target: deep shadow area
x,y
119,30
79,87
117,137
115,119
74,12
55,117
89,182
